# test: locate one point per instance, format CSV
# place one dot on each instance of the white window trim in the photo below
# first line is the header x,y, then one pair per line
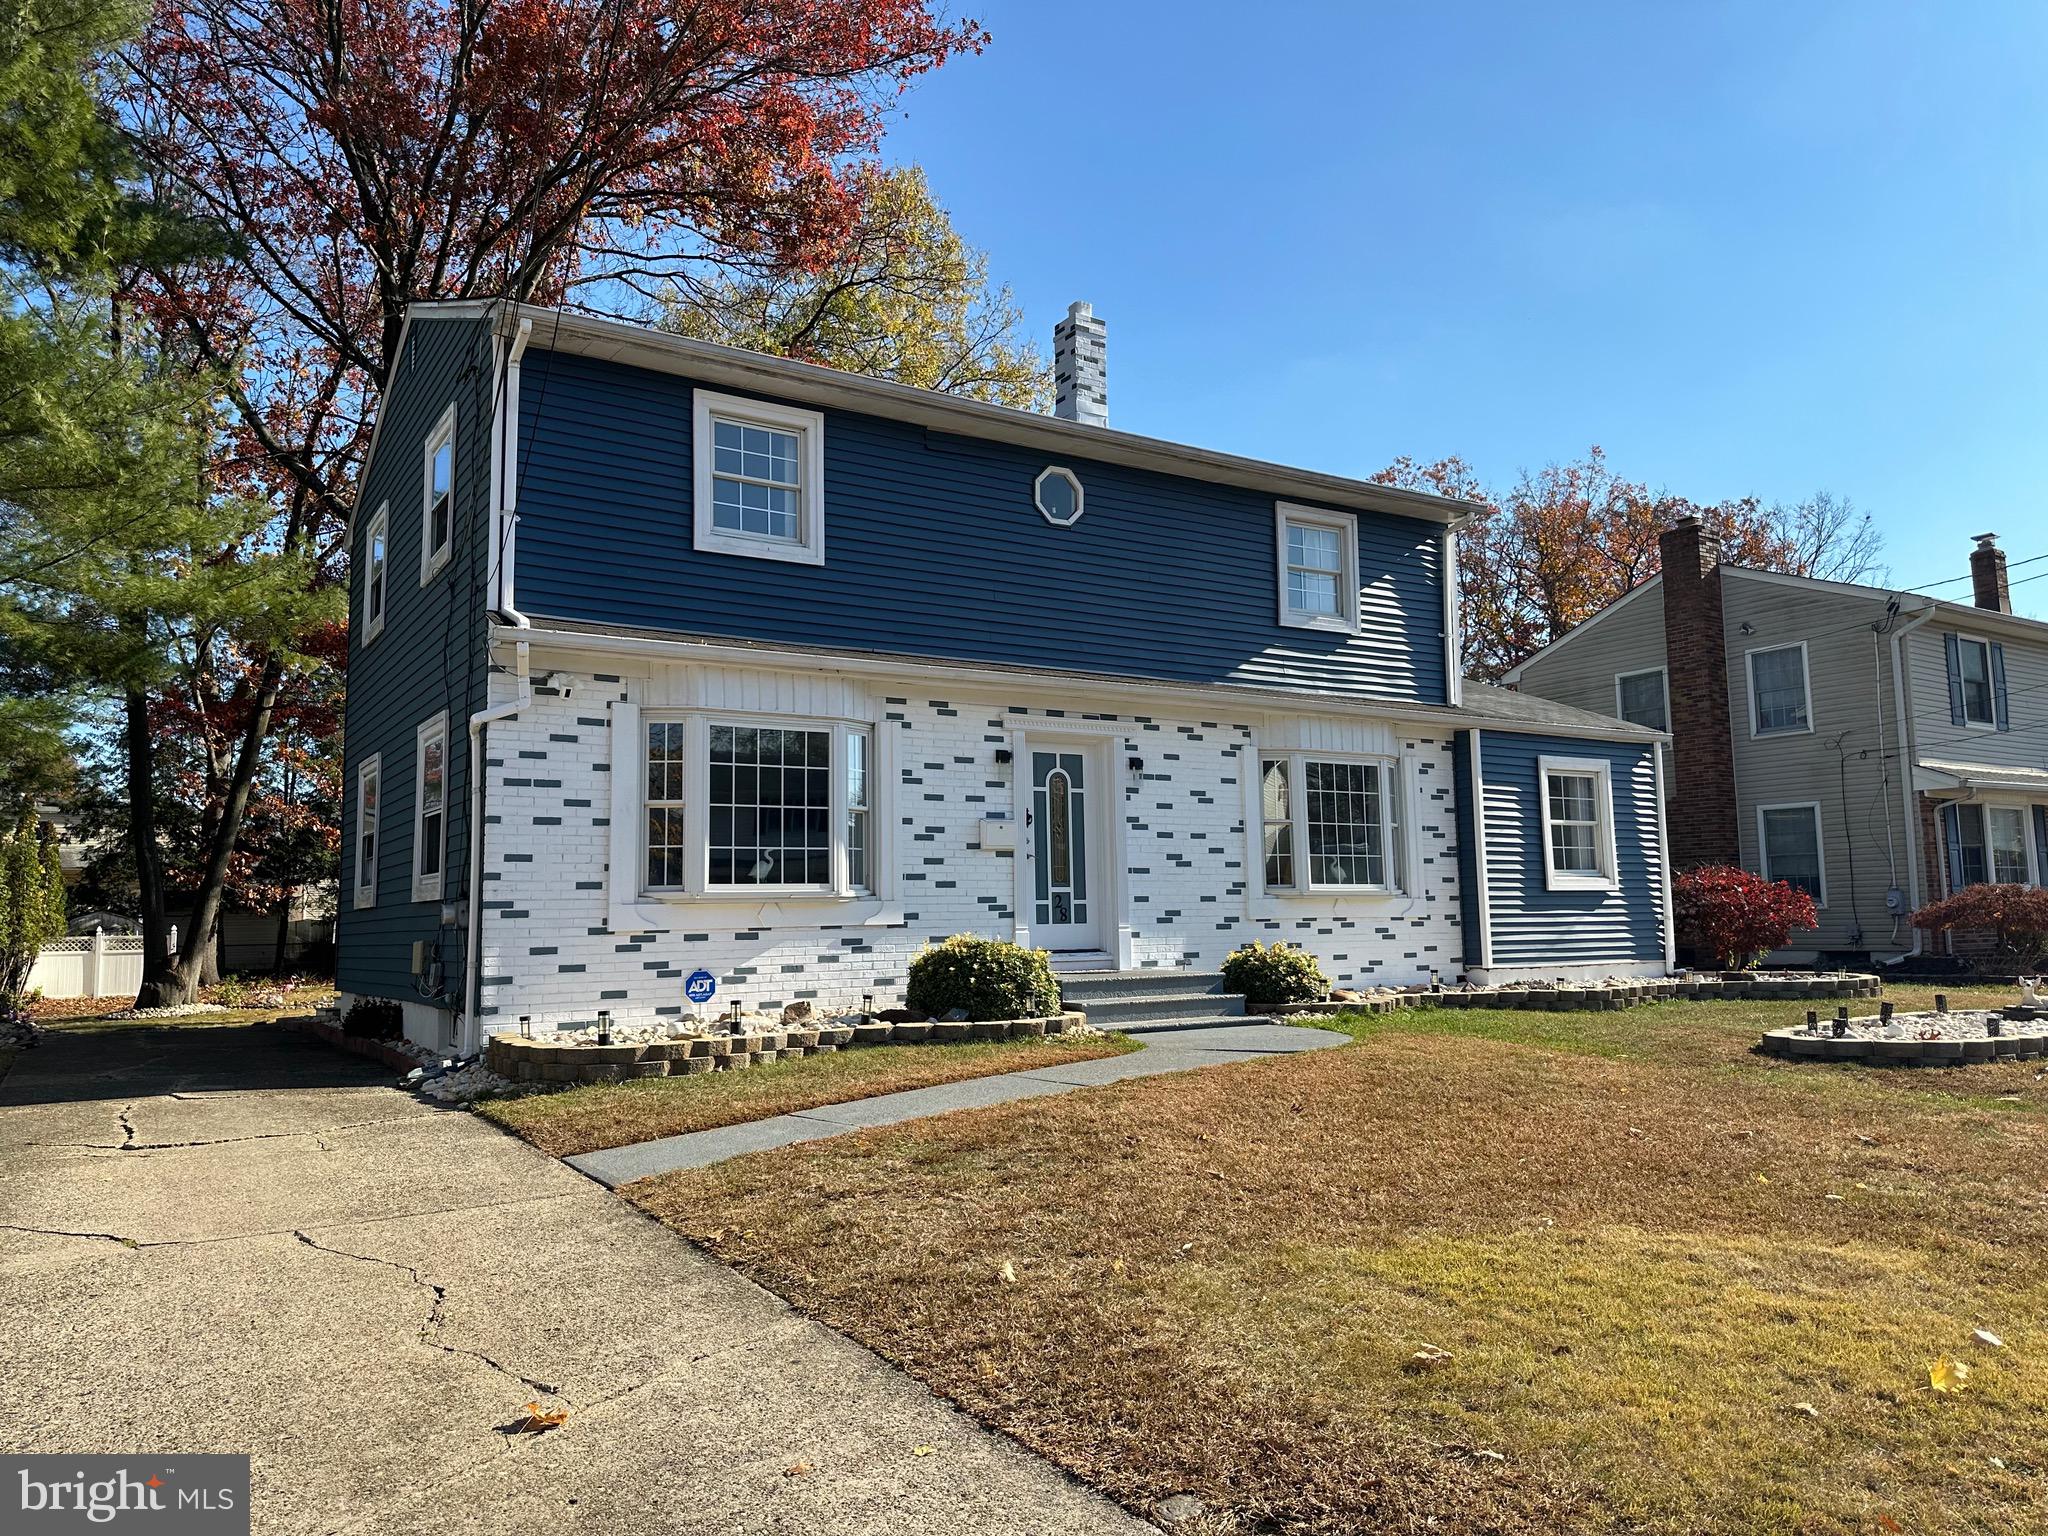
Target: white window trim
x,y
1345,621
1059,472
431,563
1990,683
1395,819
809,426
1664,679
697,884
428,887
379,528
1820,842
1602,773
370,768
1805,677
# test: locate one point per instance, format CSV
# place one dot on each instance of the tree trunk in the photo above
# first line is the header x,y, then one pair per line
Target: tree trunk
x,y
160,987
194,946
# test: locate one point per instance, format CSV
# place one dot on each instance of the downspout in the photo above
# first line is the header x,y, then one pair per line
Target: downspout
x,y
1907,749
472,985
505,495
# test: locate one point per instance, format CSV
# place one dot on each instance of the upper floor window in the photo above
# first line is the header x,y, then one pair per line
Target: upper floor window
x,y
760,479
1976,682
1318,553
437,512
764,806
1578,823
430,809
1343,813
1779,700
369,780
376,544
1789,837
1643,698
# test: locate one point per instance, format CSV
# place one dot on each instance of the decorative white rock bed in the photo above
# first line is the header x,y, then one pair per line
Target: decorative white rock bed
x,y
1918,1039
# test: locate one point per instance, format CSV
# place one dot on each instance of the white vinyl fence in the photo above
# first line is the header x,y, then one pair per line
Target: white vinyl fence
x,y
104,965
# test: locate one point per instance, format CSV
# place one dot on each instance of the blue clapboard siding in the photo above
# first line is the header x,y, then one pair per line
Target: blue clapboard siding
x,y
933,547
428,658
1535,926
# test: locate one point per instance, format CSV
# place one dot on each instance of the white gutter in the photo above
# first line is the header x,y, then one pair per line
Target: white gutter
x,y
504,531
1907,751
1442,716
472,978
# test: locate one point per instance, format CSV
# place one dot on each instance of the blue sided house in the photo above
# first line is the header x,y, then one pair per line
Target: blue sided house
x,y
668,658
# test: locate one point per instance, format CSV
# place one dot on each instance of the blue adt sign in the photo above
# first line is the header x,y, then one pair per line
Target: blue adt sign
x,y
700,986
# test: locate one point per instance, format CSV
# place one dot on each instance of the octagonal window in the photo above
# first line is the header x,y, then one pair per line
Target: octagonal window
x,y
1058,494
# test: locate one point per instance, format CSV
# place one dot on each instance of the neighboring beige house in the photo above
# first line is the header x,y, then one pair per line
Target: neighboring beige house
x,y
1880,749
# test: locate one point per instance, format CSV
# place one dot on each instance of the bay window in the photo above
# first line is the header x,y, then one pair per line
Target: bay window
x,y
736,806
1342,813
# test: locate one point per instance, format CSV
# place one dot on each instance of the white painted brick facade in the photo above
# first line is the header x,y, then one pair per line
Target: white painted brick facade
x,y
550,949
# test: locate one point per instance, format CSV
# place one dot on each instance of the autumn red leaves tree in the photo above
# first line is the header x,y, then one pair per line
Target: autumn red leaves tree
x,y
364,154
1565,541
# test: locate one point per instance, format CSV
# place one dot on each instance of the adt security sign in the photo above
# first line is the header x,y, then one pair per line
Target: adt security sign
x,y
700,987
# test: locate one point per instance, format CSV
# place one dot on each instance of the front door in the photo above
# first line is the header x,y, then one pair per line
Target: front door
x,y
1065,908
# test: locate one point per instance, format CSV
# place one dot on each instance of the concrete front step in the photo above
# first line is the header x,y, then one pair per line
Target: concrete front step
x,y
1079,987
1118,1011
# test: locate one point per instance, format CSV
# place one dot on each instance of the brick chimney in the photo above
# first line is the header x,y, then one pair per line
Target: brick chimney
x,y
1700,812
1080,367
1987,575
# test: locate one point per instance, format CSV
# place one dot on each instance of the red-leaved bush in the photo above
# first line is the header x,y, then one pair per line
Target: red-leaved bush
x,y
1736,917
2014,916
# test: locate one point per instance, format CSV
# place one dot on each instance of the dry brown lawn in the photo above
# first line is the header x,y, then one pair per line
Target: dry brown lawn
x,y
589,1119
1643,1247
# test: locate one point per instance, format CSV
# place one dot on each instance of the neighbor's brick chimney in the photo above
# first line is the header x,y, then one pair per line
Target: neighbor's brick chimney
x,y
1987,574
1700,810
1080,367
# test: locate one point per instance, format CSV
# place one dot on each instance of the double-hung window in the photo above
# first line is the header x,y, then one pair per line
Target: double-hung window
x,y
1643,698
430,809
369,780
1318,557
1577,797
738,806
437,510
1988,843
760,479
1330,824
1789,837
1779,700
1973,672
376,549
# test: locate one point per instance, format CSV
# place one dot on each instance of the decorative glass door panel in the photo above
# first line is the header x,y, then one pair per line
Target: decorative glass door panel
x,y
1062,915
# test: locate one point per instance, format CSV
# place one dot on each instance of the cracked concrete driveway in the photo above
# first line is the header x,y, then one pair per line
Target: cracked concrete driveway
x,y
237,1240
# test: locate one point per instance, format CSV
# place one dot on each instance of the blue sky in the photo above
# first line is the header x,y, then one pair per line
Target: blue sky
x,y
1746,248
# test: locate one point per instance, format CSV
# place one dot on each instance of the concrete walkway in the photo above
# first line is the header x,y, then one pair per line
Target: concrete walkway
x,y
1163,1050
239,1240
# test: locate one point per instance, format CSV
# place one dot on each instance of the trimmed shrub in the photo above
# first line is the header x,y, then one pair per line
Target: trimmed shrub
x,y
375,1018
1275,973
1735,917
990,978
2014,916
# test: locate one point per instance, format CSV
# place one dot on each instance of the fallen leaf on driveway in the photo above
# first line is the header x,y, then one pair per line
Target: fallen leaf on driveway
x,y
535,1420
923,1450
798,1470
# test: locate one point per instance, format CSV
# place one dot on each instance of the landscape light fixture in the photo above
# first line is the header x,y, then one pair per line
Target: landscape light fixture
x,y
867,1007
604,1026
526,1026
